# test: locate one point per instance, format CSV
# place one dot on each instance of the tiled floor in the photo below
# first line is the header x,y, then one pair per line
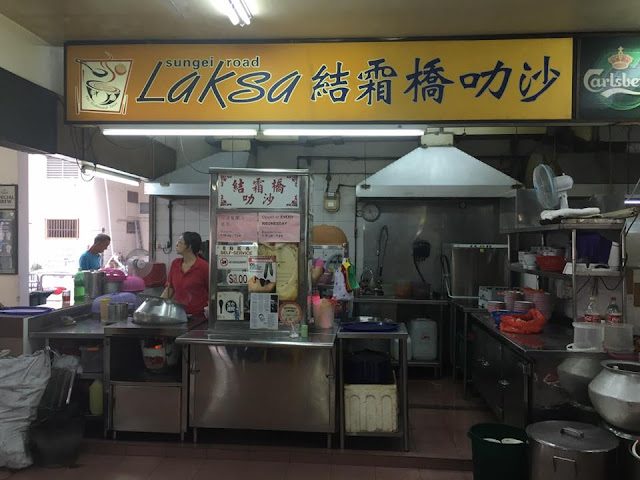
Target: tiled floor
x,y
439,420
114,467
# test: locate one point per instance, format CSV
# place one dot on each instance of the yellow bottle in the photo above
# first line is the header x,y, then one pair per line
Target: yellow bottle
x,y
96,396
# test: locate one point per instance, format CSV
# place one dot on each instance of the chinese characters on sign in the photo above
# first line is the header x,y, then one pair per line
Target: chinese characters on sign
x,y
316,82
259,192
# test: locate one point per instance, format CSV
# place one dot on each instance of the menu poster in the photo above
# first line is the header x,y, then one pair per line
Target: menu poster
x,y
8,197
262,274
8,230
279,227
264,311
237,227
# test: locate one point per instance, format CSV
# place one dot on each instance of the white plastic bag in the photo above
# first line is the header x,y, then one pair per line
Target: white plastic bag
x,y
23,380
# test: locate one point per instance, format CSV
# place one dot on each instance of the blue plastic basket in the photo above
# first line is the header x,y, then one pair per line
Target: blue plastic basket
x,y
498,313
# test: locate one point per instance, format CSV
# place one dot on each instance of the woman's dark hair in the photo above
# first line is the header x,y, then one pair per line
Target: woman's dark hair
x,y
193,240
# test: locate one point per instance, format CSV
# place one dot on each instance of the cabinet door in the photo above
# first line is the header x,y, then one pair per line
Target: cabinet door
x,y
485,369
514,382
146,408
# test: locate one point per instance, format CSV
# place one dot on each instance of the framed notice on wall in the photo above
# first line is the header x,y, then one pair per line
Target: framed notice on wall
x,y
8,229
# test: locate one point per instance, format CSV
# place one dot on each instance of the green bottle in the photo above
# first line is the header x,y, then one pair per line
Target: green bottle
x,y
78,287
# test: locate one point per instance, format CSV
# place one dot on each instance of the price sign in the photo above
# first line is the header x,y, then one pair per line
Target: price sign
x,y
237,278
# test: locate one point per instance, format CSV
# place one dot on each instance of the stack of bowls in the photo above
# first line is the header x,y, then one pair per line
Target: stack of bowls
x,y
522,306
495,305
529,261
542,302
510,297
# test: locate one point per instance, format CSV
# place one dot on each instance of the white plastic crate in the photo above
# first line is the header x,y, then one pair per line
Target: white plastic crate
x,y
371,408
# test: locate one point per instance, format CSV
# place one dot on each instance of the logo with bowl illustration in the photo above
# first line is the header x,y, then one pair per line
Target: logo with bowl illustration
x,y
103,85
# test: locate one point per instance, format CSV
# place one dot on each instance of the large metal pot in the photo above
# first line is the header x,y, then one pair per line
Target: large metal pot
x,y
571,451
93,283
576,372
615,394
156,310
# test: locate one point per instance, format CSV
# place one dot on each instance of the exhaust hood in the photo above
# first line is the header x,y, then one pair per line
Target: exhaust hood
x,y
437,172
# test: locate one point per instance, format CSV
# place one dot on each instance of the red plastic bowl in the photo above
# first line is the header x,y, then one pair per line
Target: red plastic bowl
x,y
551,263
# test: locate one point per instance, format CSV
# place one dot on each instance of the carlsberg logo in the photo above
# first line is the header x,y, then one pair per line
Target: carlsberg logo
x,y
617,86
608,85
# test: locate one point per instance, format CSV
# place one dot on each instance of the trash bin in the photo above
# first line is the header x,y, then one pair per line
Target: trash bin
x,y
499,452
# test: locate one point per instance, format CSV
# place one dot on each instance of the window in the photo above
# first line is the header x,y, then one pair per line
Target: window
x,y
62,228
144,208
58,168
132,197
131,227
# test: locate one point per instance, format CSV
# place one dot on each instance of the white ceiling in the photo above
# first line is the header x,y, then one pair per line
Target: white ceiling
x,y
57,21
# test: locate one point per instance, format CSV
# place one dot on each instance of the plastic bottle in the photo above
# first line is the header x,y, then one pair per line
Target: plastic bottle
x,y
591,314
96,396
78,287
614,315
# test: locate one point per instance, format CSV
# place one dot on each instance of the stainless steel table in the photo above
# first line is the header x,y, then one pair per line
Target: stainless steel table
x,y
437,364
402,335
467,307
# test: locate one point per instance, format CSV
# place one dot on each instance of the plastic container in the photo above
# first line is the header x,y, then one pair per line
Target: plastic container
x,y
499,452
424,338
133,284
587,336
91,359
395,349
551,263
496,315
371,408
104,309
323,311
618,337
96,398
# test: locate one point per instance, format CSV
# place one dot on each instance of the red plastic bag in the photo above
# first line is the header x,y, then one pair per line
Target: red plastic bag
x,y
530,322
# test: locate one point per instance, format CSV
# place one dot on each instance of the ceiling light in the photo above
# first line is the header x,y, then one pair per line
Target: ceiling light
x,y
343,132
632,200
111,176
237,11
172,132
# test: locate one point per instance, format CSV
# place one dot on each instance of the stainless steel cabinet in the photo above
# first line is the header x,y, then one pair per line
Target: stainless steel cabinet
x,y
146,408
501,376
262,388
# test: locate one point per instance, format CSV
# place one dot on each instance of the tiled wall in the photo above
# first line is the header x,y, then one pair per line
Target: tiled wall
x,y
190,215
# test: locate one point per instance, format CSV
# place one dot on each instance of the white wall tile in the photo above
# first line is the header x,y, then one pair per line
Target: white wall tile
x,y
192,210
192,226
178,211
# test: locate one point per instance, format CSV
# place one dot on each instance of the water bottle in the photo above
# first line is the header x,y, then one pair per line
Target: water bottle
x,y
614,315
96,397
78,287
591,313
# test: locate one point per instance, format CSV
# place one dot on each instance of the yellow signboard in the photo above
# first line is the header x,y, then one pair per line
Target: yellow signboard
x,y
408,81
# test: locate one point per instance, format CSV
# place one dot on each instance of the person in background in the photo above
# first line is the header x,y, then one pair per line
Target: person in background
x,y
92,258
188,279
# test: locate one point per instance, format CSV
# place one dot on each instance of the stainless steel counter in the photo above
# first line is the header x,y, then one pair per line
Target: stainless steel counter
x,y
129,329
399,334
84,328
467,305
239,333
399,301
554,338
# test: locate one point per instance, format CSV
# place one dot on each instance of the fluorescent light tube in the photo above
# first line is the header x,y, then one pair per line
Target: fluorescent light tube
x,y
175,132
632,201
112,177
343,132
242,11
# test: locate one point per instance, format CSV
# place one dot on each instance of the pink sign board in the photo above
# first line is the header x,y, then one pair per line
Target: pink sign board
x,y
279,227
265,192
237,227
